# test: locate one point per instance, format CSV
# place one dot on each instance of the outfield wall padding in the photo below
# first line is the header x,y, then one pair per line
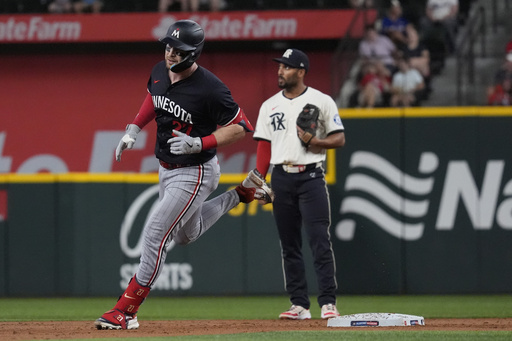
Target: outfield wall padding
x,y
421,204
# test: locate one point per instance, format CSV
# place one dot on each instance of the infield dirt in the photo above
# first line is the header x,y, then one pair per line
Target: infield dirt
x,y
86,330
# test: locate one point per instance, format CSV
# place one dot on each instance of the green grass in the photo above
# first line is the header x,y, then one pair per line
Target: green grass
x,y
263,307
339,335
259,307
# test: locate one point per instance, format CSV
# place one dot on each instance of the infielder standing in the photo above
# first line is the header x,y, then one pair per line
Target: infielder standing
x,y
187,102
298,181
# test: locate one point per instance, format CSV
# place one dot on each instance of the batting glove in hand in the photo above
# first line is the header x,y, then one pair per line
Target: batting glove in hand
x,y
128,140
184,144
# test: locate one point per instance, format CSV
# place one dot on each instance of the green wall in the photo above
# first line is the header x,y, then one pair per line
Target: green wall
x,y
421,204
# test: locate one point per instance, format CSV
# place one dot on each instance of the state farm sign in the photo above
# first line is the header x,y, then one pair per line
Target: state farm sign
x,y
39,29
138,27
250,26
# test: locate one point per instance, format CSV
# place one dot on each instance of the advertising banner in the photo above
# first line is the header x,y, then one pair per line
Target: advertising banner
x,y
74,122
425,203
218,26
420,201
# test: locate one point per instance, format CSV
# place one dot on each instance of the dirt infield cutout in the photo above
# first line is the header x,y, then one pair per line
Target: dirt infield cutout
x,y
85,329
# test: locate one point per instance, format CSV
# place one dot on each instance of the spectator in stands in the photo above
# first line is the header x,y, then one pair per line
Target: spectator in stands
x,y
374,85
440,21
417,53
413,10
394,24
464,8
164,5
500,93
376,46
23,6
407,85
191,5
60,6
89,6
361,3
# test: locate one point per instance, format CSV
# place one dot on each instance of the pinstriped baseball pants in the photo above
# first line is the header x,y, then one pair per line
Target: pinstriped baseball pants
x,y
182,214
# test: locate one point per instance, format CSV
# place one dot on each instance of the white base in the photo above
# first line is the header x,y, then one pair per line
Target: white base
x,y
376,320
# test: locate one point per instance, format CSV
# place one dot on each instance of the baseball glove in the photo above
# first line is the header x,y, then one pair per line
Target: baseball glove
x,y
308,121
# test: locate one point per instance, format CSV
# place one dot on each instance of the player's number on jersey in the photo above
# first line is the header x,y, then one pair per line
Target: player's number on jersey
x,y
182,127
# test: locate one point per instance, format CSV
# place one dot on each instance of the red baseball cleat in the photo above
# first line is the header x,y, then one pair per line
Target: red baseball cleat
x,y
116,319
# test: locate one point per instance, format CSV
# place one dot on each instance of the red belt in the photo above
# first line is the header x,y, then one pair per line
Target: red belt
x,y
175,165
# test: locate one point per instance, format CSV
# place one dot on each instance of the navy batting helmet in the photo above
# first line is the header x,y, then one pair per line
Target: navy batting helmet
x,y
188,36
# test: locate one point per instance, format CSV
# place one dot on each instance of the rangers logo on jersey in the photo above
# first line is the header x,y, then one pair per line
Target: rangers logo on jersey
x,y
277,121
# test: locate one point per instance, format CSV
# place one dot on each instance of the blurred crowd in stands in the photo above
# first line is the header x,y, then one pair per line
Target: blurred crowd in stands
x,y
401,52
500,92
95,6
407,46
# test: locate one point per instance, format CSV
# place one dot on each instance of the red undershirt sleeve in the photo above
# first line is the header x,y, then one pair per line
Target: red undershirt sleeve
x,y
146,113
263,153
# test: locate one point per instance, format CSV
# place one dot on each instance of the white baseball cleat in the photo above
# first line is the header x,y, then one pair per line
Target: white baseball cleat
x,y
255,180
329,311
296,312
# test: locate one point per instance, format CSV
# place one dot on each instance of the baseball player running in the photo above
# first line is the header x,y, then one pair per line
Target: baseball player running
x,y
298,180
188,103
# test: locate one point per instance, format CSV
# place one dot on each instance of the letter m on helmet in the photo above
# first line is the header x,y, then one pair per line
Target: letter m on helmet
x,y
188,36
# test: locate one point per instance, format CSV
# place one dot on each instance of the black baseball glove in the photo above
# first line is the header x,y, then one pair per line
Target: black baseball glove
x,y
308,121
